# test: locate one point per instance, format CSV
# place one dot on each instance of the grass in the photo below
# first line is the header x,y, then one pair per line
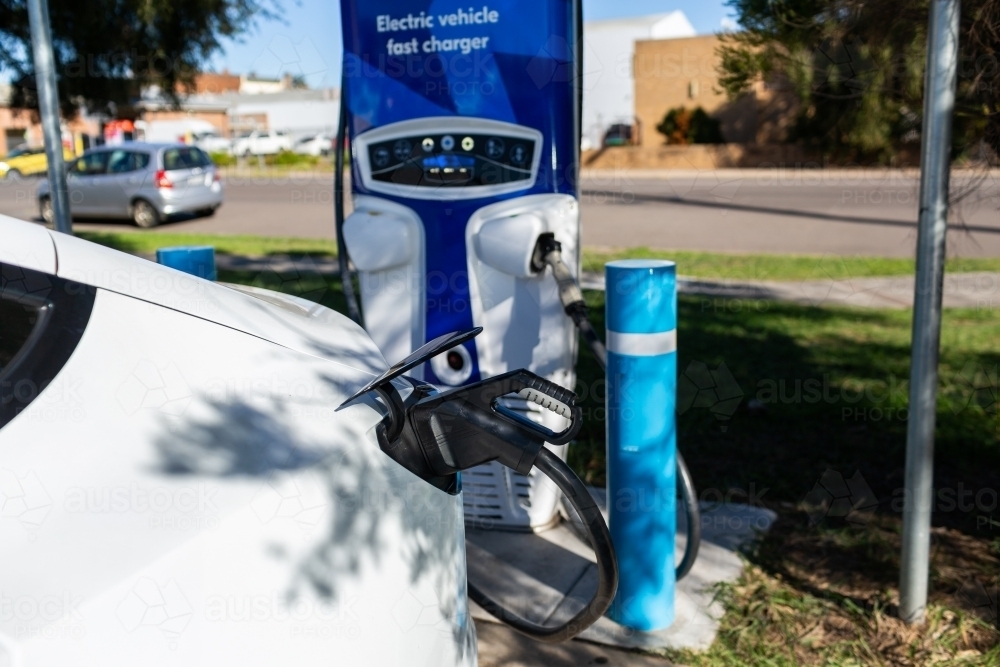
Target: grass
x,y
821,587
720,266
819,388
769,621
742,267
822,397
140,242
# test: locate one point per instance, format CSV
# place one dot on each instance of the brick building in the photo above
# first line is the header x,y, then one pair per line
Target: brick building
x,y
683,72
21,127
211,83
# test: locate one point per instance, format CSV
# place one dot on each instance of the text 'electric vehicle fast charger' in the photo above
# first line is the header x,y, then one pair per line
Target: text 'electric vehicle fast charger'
x,y
200,474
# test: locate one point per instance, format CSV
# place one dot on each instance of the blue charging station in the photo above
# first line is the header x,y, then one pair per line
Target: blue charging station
x,y
463,121
463,125
641,317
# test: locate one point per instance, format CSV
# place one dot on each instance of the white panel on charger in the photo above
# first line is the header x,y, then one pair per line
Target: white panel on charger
x,y
392,287
378,241
507,244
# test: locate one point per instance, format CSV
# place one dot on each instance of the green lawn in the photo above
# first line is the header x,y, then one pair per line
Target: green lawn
x,y
738,267
743,267
819,388
143,242
822,395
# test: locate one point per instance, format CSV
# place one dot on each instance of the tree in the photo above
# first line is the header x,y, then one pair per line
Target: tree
x,y
855,69
107,51
680,126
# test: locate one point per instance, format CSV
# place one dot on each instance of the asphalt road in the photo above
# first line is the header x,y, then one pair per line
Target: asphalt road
x,y
856,213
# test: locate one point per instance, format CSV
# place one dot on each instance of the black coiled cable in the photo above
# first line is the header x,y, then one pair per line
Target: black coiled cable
x,y
343,260
600,540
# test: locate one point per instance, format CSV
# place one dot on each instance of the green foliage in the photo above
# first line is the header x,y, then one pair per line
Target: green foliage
x,y
106,51
222,159
282,159
680,126
855,70
288,159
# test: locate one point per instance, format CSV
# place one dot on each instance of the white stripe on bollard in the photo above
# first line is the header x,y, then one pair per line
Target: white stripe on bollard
x,y
642,344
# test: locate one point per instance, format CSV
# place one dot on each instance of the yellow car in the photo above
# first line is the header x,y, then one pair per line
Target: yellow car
x,y
27,162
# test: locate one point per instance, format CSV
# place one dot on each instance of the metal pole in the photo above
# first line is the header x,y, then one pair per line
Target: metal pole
x,y
48,103
939,103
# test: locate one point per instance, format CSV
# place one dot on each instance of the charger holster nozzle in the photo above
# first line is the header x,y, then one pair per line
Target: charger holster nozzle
x,y
469,426
436,435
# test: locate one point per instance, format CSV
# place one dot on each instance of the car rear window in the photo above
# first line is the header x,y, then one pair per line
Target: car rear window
x,y
139,161
18,321
91,164
175,159
123,162
42,319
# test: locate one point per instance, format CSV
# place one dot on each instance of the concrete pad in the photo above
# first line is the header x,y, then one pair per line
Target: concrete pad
x,y
499,646
549,576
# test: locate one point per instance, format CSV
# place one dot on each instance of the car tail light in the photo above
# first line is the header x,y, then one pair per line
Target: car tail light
x,y
161,180
216,177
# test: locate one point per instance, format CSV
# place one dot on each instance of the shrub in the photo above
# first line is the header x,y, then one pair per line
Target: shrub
x,y
222,159
681,126
290,159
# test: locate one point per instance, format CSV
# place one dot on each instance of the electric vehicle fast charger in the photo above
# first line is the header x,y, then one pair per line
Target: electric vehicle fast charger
x,y
463,127
465,172
204,474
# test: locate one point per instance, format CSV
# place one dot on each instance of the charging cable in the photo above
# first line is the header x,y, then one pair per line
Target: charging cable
x,y
343,259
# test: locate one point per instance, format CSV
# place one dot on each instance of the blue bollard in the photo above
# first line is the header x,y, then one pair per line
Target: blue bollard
x,y
641,317
196,260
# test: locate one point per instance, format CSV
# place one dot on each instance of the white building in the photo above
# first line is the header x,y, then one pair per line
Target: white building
x,y
608,46
251,84
298,112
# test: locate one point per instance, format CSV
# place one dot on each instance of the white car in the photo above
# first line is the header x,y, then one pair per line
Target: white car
x,y
213,142
318,145
262,143
180,485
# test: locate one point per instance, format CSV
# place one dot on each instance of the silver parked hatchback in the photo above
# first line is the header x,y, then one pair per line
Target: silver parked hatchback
x,y
146,183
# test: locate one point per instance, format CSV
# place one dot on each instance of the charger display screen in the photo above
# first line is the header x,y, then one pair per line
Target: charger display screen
x,y
452,160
